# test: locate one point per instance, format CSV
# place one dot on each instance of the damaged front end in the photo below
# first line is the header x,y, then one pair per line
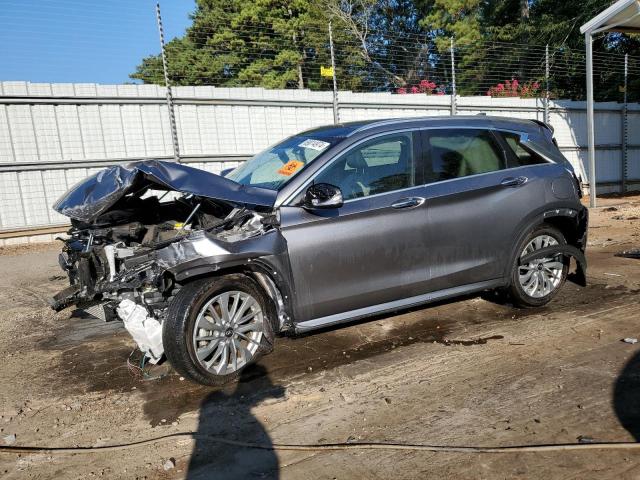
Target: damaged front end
x,y
133,229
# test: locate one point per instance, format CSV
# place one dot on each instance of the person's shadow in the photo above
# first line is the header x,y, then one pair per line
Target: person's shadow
x,y
626,396
228,414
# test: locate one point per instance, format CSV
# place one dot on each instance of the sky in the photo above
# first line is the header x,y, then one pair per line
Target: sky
x,y
83,40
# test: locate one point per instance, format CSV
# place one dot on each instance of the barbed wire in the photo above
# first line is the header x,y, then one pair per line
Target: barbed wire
x,y
291,54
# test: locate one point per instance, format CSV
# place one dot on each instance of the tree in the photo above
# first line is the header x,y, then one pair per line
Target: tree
x,y
383,45
461,19
388,46
503,40
269,43
557,23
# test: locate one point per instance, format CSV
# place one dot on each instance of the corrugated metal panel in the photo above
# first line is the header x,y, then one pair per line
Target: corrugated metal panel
x,y
102,124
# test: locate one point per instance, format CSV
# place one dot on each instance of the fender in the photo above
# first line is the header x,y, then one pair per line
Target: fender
x,y
580,277
272,271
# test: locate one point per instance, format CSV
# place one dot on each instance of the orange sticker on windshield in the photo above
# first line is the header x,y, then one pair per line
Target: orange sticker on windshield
x,y
290,167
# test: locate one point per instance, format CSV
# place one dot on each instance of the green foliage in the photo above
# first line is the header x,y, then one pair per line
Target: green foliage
x,y
461,19
269,43
389,45
382,43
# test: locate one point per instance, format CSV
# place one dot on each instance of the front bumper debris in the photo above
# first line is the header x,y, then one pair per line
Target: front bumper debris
x,y
145,330
64,298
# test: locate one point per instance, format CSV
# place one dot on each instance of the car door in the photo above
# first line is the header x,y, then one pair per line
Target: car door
x,y
371,250
475,199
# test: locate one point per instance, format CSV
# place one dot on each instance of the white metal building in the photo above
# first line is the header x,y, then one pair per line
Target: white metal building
x,y
623,16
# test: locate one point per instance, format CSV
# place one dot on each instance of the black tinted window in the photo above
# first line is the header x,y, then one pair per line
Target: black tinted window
x,y
454,153
380,165
523,155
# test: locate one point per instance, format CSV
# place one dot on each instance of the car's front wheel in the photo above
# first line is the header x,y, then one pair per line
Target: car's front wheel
x,y
535,283
216,327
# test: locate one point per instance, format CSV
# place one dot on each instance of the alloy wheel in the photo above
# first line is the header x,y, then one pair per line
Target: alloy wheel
x,y
228,332
542,276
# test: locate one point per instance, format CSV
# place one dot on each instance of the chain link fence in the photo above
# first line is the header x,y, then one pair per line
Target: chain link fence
x,y
257,55
342,54
225,50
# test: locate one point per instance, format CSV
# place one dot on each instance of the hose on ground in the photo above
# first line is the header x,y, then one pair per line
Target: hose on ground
x,y
327,446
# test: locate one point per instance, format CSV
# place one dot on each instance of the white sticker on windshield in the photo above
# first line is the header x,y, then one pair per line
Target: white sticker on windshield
x,y
318,145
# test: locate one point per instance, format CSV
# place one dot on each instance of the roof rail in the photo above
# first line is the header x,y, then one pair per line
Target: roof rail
x,y
387,121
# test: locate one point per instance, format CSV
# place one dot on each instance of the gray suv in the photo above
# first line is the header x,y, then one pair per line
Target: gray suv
x,y
330,225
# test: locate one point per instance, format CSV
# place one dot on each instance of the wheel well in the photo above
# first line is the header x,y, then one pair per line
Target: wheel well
x,y
567,226
265,281
210,273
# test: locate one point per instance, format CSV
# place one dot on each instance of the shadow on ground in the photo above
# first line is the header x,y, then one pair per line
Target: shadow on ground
x,y
91,356
228,414
626,397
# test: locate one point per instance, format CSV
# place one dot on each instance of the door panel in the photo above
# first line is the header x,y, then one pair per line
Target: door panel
x,y
471,224
476,201
363,254
371,250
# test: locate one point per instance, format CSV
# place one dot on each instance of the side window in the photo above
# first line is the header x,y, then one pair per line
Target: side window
x,y
454,153
380,165
523,155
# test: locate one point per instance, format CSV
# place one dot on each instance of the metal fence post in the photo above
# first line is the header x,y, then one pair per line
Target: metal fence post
x,y
172,117
454,107
593,202
546,79
625,127
336,113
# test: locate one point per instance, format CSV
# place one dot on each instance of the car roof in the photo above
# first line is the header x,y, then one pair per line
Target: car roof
x,y
348,129
337,130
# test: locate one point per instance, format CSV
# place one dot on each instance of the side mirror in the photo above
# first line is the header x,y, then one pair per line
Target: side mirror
x,y
323,195
226,171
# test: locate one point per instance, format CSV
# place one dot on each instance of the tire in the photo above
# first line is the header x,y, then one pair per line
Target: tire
x,y
192,304
527,291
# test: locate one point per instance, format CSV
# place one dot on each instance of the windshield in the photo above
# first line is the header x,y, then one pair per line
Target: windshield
x,y
278,164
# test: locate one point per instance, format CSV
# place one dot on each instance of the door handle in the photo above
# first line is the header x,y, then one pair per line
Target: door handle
x,y
513,181
408,202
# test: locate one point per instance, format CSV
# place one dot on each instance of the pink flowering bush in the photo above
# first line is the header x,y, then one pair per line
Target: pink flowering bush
x,y
424,86
427,86
513,88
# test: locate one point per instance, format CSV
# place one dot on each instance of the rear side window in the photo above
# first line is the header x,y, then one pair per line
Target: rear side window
x,y
455,153
523,155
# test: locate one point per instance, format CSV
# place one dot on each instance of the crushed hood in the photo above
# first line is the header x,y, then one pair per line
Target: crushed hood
x,y
96,194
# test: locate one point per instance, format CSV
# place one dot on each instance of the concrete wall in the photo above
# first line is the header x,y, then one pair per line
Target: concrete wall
x,y
53,135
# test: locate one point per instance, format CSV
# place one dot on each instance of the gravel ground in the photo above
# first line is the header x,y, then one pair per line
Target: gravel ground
x,y
469,372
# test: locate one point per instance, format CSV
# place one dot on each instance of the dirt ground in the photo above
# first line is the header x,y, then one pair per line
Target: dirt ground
x,y
468,372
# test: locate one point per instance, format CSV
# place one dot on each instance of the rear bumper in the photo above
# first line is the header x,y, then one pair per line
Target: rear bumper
x,y
580,275
583,227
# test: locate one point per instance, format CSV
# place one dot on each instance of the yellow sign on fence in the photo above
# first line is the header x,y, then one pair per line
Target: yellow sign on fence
x,y
326,71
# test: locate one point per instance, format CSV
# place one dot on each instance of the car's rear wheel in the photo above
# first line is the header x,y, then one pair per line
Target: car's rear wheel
x,y
216,327
535,283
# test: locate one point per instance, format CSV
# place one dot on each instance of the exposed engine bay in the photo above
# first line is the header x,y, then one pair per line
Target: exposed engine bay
x,y
122,248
